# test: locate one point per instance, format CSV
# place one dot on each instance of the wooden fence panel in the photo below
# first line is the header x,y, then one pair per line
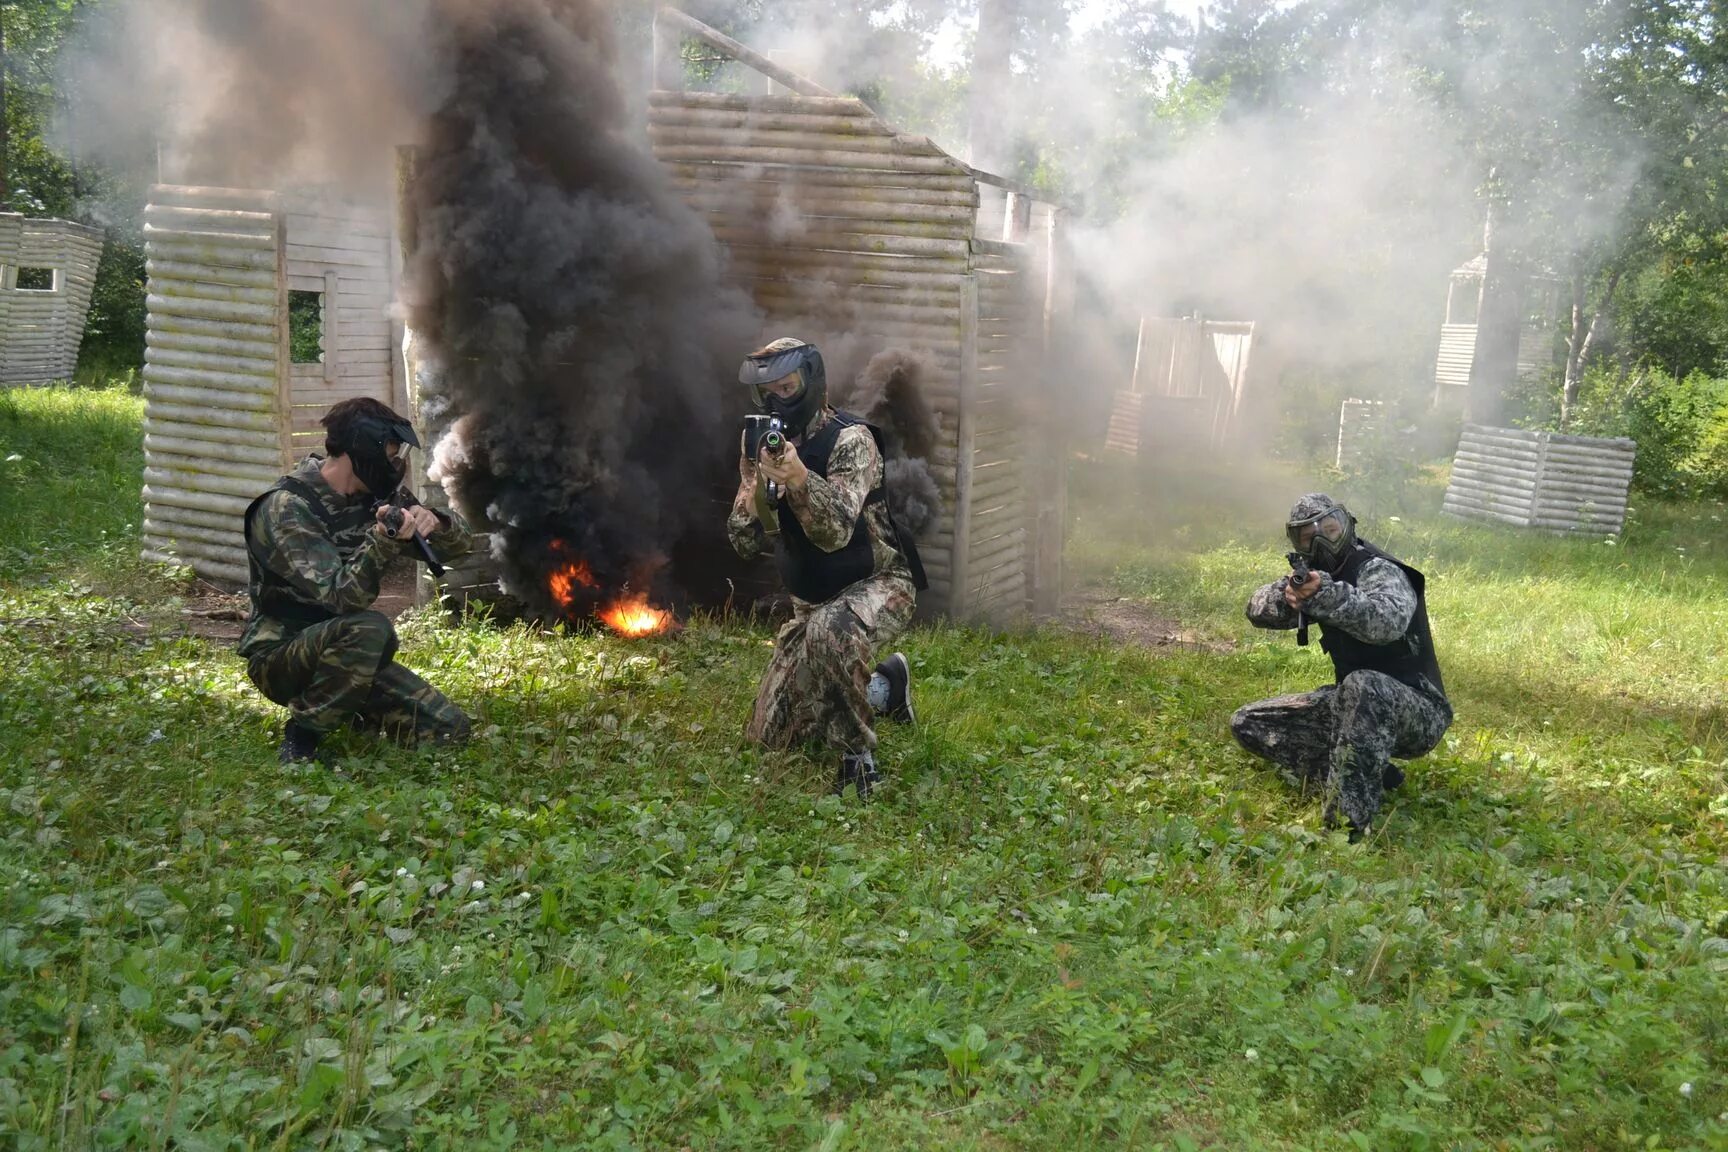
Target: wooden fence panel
x,y
1360,424
215,403
1541,480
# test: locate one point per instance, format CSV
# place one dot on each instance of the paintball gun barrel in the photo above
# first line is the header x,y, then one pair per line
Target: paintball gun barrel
x,y
1299,573
764,434
393,520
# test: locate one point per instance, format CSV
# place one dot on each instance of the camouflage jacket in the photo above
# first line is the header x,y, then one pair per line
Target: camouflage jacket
x,y
827,508
337,570
1376,610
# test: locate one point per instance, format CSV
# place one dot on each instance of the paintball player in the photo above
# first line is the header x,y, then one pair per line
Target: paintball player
x,y
1388,699
317,543
854,581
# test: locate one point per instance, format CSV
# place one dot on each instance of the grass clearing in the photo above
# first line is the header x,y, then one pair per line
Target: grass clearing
x,y
1079,918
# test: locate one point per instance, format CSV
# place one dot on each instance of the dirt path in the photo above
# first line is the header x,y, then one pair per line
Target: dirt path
x,y
1107,615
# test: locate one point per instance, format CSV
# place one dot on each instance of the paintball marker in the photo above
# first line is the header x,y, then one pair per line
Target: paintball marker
x,y
393,526
764,434
1299,573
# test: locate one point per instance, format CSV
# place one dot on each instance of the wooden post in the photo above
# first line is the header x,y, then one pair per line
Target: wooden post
x,y
666,63
284,353
1017,217
1139,357
1051,489
331,341
689,26
958,600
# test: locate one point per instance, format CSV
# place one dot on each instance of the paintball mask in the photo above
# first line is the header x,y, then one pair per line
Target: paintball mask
x,y
1322,530
369,451
782,358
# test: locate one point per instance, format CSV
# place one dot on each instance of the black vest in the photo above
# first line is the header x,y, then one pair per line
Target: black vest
x,y
813,575
271,594
1408,659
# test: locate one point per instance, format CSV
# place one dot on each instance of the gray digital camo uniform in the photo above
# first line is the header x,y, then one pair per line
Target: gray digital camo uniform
x,y
815,689
1343,737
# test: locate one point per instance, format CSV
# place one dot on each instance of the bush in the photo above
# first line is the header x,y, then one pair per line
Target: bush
x,y
1680,426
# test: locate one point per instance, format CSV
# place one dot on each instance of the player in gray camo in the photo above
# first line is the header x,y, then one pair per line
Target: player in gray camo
x,y
1388,700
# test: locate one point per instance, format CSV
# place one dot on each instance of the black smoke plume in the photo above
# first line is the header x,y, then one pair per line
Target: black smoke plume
x,y
887,394
575,336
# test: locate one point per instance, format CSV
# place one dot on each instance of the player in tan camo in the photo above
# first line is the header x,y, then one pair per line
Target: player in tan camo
x,y
317,546
1388,700
821,504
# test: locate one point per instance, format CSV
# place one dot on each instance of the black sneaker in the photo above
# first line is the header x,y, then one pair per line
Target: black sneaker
x,y
1392,778
858,771
299,745
898,673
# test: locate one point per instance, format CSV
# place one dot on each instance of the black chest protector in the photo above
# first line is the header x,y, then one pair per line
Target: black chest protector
x,y
271,594
1408,659
813,575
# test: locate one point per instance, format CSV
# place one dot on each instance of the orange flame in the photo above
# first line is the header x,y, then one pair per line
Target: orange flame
x,y
634,616
563,582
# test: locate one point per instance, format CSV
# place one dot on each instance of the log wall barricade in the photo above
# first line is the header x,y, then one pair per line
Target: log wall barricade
x,y
41,328
862,238
226,410
1541,480
215,401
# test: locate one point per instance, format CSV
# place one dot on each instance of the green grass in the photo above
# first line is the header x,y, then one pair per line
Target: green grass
x,y
1080,919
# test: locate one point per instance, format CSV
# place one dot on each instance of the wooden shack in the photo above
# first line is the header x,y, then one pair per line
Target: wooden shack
x,y
263,310
47,274
1455,360
1190,376
844,228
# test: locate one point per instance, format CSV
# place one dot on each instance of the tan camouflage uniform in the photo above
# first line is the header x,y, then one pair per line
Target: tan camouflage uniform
x,y
342,670
814,691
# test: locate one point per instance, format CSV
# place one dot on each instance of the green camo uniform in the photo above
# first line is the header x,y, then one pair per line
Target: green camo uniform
x,y
342,669
815,689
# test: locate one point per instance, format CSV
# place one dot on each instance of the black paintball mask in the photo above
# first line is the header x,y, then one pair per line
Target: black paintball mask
x,y
782,358
368,450
1333,531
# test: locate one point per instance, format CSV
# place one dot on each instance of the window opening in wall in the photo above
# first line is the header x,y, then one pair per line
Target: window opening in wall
x,y
306,327
1464,299
36,279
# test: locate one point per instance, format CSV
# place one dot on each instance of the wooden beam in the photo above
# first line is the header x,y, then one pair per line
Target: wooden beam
x,y
697,30
957,605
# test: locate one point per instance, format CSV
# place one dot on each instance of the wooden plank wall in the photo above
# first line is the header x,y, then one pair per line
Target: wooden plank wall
x,y
40,330
1536,354
1360,423
843,228
215,433
1123,433
1457,354
1189,380
1541,480
344,252
1000,514
1229,345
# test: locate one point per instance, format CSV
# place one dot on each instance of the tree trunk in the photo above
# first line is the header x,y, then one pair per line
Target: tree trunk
x,y
1582,337
5,126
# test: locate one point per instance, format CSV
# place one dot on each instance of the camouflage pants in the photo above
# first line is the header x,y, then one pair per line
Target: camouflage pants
x,y
1343,737
343,671
814,691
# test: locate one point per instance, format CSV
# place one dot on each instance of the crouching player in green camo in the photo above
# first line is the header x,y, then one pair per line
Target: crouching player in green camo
x,y
854,577
317,543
